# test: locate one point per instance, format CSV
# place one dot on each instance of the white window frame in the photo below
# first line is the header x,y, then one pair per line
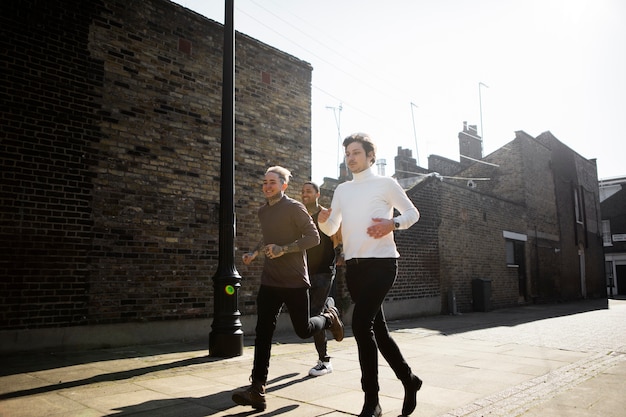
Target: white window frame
x,y
578,209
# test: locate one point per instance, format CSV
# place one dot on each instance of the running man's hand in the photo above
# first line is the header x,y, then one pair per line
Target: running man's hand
x,y
380,228
274,251
249,257
324,214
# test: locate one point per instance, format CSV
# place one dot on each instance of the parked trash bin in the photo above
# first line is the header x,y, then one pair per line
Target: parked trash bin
x,y
481,294
452,303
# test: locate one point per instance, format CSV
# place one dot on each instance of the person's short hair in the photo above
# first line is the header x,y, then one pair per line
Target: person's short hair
x,y
314,185
365,140
283,173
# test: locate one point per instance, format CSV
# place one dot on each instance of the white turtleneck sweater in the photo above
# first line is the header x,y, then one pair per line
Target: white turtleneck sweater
x,y
356,203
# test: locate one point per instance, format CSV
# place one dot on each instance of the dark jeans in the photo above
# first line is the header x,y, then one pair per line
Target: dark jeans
x,y
368,281
320,290
269,303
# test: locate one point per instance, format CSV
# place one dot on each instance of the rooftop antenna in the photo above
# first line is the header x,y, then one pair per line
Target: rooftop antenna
x,y
337,114
417,155
480,104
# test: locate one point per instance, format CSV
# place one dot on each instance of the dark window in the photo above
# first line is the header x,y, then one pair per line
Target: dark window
x,y
514,252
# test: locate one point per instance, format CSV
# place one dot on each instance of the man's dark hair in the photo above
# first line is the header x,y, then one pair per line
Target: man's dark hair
x,y
314,185
365,140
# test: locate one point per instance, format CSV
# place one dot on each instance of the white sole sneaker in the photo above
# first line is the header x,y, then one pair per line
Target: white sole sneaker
x,y
322,368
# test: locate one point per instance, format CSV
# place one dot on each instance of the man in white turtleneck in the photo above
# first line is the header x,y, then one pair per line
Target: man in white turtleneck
x,y
364,209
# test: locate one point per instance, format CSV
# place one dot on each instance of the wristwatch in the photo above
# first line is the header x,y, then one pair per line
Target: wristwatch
x,y
396,224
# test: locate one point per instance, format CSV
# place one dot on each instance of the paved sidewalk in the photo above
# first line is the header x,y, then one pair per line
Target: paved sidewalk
x,y
546,360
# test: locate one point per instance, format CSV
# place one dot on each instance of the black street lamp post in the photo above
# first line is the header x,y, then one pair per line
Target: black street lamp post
x,y
226,338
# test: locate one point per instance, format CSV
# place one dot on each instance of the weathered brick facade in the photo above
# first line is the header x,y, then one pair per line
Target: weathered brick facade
x,y
110,155
419,275
472,245
529,191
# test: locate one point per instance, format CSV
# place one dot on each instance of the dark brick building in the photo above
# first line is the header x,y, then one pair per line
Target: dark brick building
x,y
110,159
613,205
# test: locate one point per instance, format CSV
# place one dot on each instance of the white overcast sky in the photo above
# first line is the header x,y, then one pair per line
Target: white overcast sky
x,y
545,65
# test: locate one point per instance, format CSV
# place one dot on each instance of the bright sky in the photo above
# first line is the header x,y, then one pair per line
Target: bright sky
x,y
410,72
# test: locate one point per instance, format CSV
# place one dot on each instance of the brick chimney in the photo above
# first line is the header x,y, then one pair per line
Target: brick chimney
x,y
344,173
470,145
406,165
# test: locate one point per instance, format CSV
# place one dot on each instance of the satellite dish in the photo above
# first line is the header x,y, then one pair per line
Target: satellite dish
x,y
471,184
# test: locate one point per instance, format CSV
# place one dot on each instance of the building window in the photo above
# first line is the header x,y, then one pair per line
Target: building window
x,y
606,233
578,208
514,253
510,253
514,248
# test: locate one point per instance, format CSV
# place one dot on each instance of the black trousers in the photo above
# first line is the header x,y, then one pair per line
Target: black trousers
x,y
269,303
320,290
369,280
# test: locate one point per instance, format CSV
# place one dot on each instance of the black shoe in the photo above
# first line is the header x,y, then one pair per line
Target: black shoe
x,y
368,411
410,394
335,324
253,396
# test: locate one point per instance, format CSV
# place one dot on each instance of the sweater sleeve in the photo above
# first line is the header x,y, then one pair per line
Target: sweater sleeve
x,y
409,214
331,226
310,235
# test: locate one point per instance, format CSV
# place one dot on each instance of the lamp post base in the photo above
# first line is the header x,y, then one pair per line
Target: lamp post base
x,y
225,345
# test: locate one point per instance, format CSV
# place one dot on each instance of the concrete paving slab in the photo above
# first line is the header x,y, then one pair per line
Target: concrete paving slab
x,y
141,399
603,395
20,382
174,410
175,385
40,405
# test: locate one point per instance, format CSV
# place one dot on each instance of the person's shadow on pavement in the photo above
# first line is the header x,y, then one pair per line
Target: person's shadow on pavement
x,y
219,402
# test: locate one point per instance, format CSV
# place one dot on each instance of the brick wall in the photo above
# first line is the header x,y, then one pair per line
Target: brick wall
x,y
574,174
541,173
50,86
503,173
443,166
472,244
418,266
110,160
459,238
543,228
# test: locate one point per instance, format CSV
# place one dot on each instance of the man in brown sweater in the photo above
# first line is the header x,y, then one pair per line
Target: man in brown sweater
x,y
288,231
